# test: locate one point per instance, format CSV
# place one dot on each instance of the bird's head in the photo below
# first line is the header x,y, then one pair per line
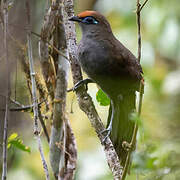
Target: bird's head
x,y
92,21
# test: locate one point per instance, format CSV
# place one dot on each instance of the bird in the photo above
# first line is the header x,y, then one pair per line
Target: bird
x,y
113,67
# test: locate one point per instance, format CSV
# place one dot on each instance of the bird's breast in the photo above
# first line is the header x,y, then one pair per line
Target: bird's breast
x,y
94,58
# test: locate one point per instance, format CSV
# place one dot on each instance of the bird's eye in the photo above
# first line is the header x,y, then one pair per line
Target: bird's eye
x,y
89,20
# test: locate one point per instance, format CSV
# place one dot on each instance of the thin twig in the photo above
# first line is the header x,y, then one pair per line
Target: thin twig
x,y
26,108
15,88
25,65
141,88
59,52
38,35
13,101
34,95
32,73
4,6
16,103
42,157
143,5
43,124
138,14
22,108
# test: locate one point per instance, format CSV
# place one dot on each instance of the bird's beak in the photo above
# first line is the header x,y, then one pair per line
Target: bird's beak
x,y
75,18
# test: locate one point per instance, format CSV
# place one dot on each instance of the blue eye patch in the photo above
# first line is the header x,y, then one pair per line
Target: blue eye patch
x,y
89,20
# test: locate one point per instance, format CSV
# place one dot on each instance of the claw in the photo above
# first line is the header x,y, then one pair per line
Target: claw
x,y
108,131
80,83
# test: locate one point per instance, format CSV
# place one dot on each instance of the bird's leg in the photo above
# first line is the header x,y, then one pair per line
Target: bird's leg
x,y
109,128
80,83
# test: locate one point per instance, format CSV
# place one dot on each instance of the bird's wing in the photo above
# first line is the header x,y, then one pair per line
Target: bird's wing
x,y
124,61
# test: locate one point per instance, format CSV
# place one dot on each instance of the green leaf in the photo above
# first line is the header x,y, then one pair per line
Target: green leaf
x,y
102,98
16,142
12,136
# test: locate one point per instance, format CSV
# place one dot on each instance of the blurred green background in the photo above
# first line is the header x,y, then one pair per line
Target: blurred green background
x,y
158,144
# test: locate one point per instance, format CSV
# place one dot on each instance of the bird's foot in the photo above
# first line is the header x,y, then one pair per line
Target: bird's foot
x,y
128,146
108,132
80,83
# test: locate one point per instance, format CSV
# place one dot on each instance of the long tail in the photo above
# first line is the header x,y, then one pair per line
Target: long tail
x,y
122,125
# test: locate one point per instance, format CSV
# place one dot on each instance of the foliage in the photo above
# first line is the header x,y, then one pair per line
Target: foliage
x,y
102,98
15,141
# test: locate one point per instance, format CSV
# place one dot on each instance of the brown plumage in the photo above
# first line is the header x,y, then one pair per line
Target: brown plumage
x,y
115,69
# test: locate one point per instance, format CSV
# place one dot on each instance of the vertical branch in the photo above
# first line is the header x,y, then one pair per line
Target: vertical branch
x,y
141,86
42,91
85,101
138,16
32,73
34,95
62,164
4,6
55,69
46,34
43,124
